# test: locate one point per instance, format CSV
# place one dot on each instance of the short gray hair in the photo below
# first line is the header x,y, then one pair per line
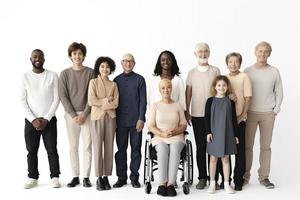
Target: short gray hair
x,y
266,44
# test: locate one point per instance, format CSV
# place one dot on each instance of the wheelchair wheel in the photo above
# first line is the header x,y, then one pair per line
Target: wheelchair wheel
x,y
147,162
148,187
186,188
189,154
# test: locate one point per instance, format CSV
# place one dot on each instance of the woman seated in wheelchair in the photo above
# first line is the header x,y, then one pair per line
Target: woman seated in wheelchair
x,y
167,122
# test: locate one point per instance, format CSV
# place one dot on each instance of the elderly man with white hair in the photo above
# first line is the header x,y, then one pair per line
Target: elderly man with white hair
x,y
267,96
198,83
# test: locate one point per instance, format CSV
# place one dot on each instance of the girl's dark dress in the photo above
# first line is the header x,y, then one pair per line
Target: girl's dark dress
x,y
221,121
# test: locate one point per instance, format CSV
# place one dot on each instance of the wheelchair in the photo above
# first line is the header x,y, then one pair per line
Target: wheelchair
x,y
185,164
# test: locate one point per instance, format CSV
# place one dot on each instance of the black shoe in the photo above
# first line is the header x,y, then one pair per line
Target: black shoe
x,y
106,183
162,190
87,182
238,188
222,185
218,187
75,181
120,183
100,184
135,184
171,192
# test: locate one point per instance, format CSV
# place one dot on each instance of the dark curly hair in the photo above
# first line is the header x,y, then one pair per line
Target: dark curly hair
x,y
174,66
111,63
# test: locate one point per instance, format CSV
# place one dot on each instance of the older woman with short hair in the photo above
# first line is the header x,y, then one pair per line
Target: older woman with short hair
x,y
167,122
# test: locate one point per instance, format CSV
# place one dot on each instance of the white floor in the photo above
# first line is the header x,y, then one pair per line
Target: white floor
x,y
13,173
44,191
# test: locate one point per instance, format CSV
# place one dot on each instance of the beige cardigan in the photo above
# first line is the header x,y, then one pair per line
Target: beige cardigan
x,y
98,94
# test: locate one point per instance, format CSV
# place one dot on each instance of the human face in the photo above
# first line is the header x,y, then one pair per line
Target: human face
x,y
104,69
202,55
77,57
233,64
165,61
221,88
165,90
37,59
128,63
262,53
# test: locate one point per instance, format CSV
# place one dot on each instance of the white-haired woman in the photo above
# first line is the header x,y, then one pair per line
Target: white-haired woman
x,y
167,122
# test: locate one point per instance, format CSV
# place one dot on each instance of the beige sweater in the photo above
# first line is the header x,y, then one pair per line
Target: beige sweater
x,y
267,91
201,84
98,98
166,117
73,89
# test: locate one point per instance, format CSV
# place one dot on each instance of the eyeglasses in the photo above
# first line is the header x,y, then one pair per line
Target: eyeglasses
x,y
128,61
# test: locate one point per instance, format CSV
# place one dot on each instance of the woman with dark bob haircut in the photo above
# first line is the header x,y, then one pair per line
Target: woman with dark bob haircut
x,y
103,97
167,68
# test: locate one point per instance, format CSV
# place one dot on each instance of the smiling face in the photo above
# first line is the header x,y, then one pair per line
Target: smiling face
x,y
202,53
77,57
128,63
262,53
37,59
165,61
221,88
104,69
233,64
165,88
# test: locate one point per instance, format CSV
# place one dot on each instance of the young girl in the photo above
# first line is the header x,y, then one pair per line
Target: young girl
x,y
241,92
103,97
221,129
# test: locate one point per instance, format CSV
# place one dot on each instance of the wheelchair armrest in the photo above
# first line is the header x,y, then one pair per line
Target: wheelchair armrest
x,y
152,135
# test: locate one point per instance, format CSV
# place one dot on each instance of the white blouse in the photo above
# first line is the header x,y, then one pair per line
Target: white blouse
x,y
178,90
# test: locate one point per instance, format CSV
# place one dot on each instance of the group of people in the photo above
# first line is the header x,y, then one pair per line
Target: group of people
x,y
224,111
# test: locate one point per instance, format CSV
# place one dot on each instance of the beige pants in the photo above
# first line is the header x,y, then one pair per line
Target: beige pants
x,y
103,132
74,130
265,122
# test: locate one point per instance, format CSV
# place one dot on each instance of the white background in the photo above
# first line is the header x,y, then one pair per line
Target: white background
x,y
144,28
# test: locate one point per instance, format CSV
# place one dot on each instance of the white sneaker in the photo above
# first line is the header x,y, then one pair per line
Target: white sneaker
x,y
228,188
55,182
31,182
212,187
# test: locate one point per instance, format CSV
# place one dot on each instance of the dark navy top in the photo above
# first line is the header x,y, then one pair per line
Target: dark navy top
x,y
132,99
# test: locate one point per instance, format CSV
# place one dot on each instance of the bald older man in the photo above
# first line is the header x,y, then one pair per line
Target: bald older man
x,y
130,121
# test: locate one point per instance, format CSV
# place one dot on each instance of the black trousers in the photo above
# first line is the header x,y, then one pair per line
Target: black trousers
x,y
122,136
240,159
200,138
32,139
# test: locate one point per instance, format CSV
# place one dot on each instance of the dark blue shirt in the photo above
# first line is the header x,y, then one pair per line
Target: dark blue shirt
x,y
132,99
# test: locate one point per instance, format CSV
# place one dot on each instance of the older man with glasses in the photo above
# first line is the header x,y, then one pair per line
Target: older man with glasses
x,y
130,121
